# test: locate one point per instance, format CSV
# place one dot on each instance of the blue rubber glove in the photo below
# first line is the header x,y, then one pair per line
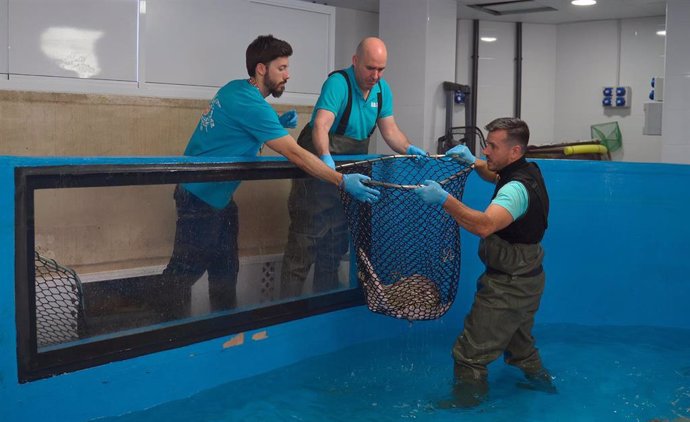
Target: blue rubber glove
x,y
289,119
328,160
432,193
413,150
352,183
462,153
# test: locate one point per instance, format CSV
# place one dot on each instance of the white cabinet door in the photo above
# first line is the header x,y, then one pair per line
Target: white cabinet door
x,y
199,42
74,38
4,52
203,42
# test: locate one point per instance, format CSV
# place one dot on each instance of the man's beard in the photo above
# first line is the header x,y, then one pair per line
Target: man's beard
x,y
276,88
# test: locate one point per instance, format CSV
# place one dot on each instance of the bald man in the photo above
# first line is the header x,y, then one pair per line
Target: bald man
x,y
352,103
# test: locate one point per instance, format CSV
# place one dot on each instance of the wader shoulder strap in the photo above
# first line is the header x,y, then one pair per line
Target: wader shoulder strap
x,y
379,98
345,119
342,125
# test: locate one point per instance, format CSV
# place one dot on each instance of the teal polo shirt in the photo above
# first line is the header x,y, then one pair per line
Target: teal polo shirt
x,y
237,122
364,111
514,198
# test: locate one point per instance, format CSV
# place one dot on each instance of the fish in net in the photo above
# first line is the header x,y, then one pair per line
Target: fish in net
x,y
407,252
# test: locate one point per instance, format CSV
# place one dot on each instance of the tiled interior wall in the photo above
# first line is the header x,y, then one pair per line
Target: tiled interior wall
x,y
99,229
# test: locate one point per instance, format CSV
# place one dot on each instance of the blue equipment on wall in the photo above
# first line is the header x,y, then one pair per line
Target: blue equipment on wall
x,y
618,96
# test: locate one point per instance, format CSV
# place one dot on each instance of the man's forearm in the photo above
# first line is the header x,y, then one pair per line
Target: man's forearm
x,y
304,159
319,135
475,222
314,166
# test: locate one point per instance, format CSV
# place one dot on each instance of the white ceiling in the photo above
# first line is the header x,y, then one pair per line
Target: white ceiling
x,y
565,12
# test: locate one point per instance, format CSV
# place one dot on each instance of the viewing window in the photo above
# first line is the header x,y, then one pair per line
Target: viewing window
x,y
93,244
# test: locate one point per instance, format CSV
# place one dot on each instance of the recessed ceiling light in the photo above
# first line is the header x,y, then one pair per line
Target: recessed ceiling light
x,y
584,2
488,39
661,33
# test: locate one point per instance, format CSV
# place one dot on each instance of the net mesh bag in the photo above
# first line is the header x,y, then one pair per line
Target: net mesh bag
x,y
407,252
59,311
609,134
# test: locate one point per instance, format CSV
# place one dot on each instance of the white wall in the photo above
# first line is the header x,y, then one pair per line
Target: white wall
x,y
564,68
641,59
495,92
170,48
496,89
400,26
420,36
4,54
440,67
463,66
596,54
350,27
676,114
539,81
586,60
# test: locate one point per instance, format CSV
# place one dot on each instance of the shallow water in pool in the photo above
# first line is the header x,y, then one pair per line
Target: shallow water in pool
x,y
602,374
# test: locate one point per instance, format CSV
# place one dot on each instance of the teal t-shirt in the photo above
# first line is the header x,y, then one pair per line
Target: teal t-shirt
x,y
514,198
237,122
364,111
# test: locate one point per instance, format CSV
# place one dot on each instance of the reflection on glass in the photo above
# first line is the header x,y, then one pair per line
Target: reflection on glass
x,y
59,304
317,239
72,49
101,256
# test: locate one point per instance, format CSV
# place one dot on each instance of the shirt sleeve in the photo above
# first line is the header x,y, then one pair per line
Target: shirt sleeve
x,y
514,198
333,94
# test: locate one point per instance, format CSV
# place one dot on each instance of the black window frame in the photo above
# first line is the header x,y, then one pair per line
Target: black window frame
x,y
34,365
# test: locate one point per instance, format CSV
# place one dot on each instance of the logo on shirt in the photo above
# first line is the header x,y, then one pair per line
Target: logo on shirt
x,y
374,104
207,121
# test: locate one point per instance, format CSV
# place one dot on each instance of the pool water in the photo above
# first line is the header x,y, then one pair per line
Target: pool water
x,y
602,374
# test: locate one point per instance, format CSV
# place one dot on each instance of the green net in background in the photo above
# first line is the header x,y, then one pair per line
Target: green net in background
x,y
609,134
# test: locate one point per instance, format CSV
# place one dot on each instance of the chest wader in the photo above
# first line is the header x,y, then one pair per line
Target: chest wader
x,y
318,233
502,315
205,241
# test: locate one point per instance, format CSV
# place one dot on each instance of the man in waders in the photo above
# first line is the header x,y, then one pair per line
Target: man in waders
x,y
352,103
237,123
508,292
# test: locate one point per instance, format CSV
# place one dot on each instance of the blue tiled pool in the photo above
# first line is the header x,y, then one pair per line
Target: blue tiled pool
x,y
602,373
614,329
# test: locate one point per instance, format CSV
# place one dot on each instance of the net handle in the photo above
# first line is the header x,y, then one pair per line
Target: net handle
x,y
397,186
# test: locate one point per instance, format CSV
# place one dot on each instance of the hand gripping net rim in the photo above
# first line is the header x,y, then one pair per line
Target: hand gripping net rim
x,y
407,252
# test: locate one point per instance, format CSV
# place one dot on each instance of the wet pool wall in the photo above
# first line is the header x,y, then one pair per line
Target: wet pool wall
x,y
616,247
615,255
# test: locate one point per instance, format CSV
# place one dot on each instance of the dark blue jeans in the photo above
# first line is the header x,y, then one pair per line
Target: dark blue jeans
x,y
205,240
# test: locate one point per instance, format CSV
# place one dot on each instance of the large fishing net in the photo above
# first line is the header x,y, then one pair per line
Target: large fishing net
x,y
408,252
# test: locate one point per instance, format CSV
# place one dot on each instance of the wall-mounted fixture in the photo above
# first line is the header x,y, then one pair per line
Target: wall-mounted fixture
x,y
657,92
583,2
653,110
618,96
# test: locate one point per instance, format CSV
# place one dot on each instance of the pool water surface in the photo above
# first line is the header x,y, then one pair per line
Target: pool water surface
x,y
602,374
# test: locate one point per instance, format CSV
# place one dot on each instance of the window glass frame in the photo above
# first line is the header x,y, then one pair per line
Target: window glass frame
x,y
34,364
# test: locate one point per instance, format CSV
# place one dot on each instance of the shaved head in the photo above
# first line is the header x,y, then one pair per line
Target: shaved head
x,y
371,46
369,62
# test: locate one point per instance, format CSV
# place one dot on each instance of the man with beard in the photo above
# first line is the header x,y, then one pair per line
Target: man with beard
x,y
238,122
